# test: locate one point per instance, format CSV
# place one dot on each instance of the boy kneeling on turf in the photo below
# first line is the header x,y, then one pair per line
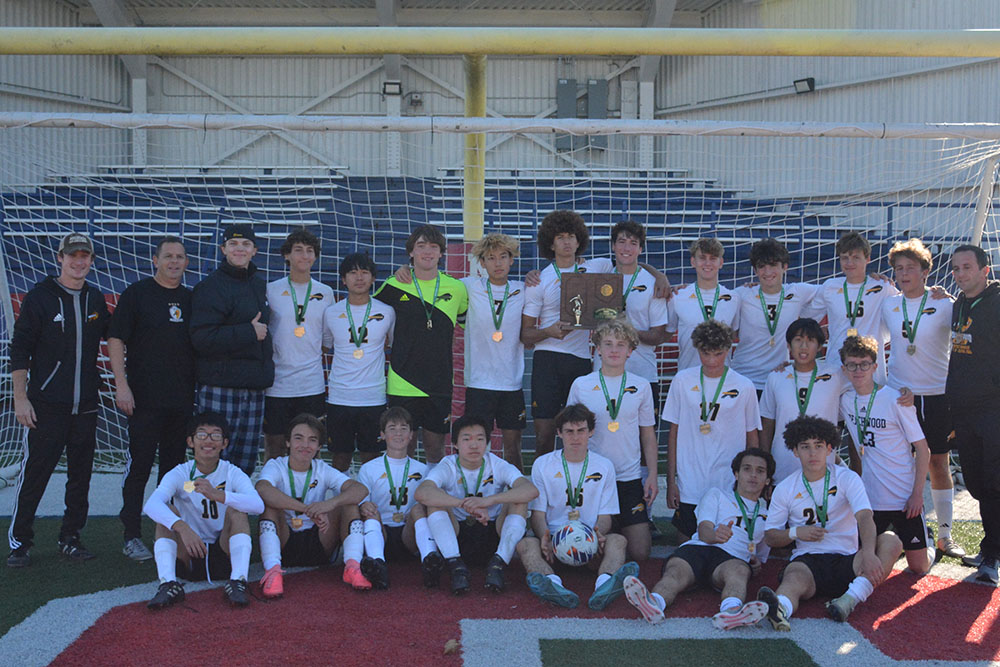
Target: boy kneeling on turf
x,y
201,506
725,551
395,523
476,506
825,508
574,485
301,526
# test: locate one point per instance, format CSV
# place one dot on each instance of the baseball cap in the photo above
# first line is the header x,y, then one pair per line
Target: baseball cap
x,y
75,241
239,231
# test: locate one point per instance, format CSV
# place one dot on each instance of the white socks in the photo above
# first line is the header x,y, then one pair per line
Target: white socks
x,y
555,578
422,533
510,535
374,540
444,533
601,578
733,604
658,599
270,545
860,589
354,543
165,554
786,604
944,501
240,547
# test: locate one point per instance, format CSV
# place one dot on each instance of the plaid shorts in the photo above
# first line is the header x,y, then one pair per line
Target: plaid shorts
x,y
244,410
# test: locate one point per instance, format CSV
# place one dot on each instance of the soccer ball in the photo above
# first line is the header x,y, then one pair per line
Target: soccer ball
x,y
575,543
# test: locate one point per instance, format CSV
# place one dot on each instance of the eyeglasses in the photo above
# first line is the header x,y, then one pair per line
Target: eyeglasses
x,y
202,435
864,365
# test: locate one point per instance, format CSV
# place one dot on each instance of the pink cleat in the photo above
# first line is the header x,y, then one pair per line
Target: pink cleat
x,y
271,584
353,576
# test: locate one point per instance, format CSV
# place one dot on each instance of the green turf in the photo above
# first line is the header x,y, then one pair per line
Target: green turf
x,y
681,652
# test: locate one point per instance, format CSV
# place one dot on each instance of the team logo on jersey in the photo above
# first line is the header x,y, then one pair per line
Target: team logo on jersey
x,y
514,293
558,475
378,317
316,297
593,477
789,296
824,377
314,484
873,290
638,507
833,491
488,480
404,298
444,297
221,486
92,317
929,311
731,393
175,313
414,477
725,297
631,390
639,288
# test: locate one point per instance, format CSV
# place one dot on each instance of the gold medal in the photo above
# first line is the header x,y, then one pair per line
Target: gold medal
x,y
911,349
613,426
300,331
497,336
852,332
574,515
771,342
358,353
398,517
705,427
189,487
296,523
752,548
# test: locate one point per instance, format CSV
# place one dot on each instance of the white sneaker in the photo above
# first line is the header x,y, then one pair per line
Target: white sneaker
x,y
136,550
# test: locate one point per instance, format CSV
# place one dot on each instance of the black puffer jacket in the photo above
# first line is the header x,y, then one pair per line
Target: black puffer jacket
x,y
974,370
227,351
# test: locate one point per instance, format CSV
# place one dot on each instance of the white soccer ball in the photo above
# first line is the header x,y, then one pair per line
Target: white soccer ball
x,y
575,543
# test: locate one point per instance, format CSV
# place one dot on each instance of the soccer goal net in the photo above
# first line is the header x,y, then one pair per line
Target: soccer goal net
x,y
366,190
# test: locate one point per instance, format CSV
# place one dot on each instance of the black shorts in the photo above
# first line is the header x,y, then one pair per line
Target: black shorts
x,y
350,426
477,543
655,388
279,411
703,560
552,375
432,413
631,504
506,408
832,573
685,520
219,566
912,532
395,549
934,415
303,549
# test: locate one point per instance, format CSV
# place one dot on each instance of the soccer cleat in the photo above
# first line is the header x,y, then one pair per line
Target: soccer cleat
x,y
431,568
236,592
613,587
947,547
840,608
775,612
638,596
550,591
972,561
169,592
136,550
749,614
353,576
271,584
72,548
459,575
494,574
988,570
19,557
376,572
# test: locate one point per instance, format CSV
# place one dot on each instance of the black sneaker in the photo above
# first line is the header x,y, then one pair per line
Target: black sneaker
x,y
494,574
169,592
376,572
459,575
19,557
431,568
72,548
236,592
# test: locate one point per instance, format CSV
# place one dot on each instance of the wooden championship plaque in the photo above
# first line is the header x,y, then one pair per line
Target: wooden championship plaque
x,y
587,299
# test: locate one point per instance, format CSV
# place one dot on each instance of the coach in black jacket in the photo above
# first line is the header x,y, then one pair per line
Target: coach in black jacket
x,y
53,361
229,315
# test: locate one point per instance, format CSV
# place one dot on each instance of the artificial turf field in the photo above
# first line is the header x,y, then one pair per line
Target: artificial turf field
x,y
321,621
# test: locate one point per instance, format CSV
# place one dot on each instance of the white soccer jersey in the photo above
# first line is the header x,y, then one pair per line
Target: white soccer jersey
x,y
925,371
755,356
542,302
298,360
703,459
490,364
205,517
600,492
372,475
323,478
644,312
622,447
780,402
791,506
719,506
353,381
498,476
869,319
685,314
887,464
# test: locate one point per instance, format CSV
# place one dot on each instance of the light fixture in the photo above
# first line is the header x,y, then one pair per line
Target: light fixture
x,y
806,85
392,88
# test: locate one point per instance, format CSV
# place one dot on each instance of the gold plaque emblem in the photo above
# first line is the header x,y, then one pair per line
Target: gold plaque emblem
x,y
607,290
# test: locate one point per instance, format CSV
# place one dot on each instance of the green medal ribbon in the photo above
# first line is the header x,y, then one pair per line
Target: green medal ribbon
x,y
194,467
862,431
804,403
613,408
428,311
305,489
911,330
852,311
748,523
573,494
718,391
628,289
772,325
396,494
820,511
358,335
961,313
300,311
701,303
461,476
576,269
498,317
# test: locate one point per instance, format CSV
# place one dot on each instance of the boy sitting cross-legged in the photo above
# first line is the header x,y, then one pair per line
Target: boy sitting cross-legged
x,y
201,506
301,526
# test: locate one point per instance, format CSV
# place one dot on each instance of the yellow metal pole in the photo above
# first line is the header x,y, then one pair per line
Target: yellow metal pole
x,y
475,149
481,41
